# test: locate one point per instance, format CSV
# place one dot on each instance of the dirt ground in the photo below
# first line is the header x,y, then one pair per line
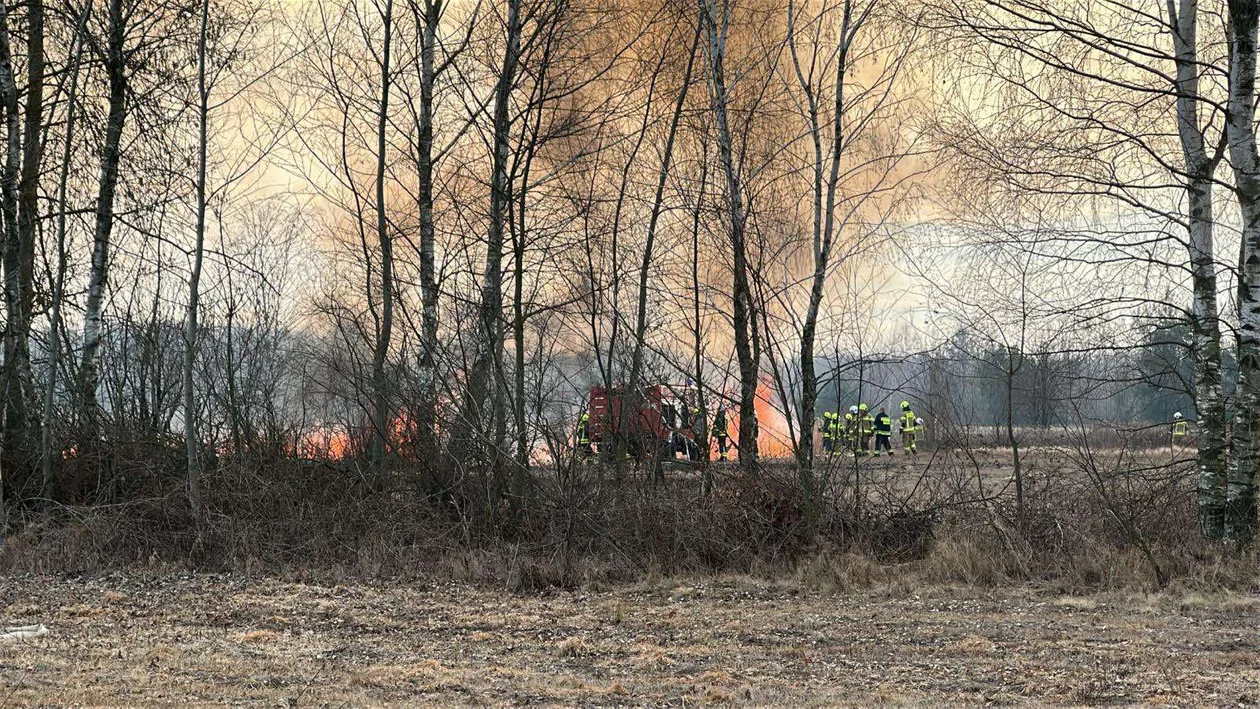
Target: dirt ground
x,y
128,640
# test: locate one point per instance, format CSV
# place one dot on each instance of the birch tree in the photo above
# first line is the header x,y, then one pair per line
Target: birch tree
x,y
856,157
1116,108
1240,507
115,63
482,425
1199,167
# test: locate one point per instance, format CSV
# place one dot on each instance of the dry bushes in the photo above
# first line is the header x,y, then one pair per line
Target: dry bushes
x,y
1082,529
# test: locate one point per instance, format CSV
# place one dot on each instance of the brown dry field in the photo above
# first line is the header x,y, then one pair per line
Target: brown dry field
x,y
130,639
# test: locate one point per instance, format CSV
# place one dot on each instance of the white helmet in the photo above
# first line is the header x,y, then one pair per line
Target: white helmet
x,y
853,409
918,421
1177,416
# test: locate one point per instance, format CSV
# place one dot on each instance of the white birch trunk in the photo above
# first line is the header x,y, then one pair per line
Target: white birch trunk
x,y
1240,504
1200,168
89,372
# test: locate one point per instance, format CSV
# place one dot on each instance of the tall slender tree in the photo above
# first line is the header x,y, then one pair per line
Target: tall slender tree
x,y
115,64
1240,506
715,15
47,452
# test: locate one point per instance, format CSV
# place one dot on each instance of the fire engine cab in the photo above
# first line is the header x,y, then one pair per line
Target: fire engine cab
x,y
656,420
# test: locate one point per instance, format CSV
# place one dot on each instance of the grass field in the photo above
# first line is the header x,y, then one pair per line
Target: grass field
x,y
182,639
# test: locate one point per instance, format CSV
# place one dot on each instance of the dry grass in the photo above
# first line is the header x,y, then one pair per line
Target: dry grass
x,y
169,639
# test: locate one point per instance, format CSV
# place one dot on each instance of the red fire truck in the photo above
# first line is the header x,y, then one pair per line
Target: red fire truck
x,y
660,420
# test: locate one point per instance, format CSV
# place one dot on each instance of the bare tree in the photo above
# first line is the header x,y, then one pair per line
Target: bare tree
x,y
1084,91
115,63
59,283
488,359
194,293
1240,507
381,419
857,161
715,17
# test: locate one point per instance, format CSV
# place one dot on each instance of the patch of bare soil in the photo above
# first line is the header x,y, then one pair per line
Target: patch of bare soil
x,y
128,640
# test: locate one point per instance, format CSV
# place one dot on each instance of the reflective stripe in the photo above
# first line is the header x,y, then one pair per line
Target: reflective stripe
x,y
907,421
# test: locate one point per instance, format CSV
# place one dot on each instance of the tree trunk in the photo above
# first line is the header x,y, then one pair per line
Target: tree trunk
x,y
32,156
59,283
824,228
28,210
15,433
381,419
16,360
1208,401
717,22
1240,506
645,267
191,436
483,386
1016,471
426,419
111,152
707,481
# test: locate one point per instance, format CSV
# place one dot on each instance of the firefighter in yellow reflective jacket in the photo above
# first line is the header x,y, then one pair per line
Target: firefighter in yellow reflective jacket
x,y
1178,430
908,430
828,433
584,436
837,434
850,429
866,429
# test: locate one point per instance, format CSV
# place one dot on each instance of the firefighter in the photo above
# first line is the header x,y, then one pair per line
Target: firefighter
x,y
584,436
837,434
691,444
828,435
866,428
719,430
883,433
850,429
907,429
1178,429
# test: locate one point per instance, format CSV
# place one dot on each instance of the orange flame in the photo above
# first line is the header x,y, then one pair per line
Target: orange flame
x,y
773,437
324,443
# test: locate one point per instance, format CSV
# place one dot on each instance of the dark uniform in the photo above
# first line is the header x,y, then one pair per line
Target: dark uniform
x,y
719,431
883,433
